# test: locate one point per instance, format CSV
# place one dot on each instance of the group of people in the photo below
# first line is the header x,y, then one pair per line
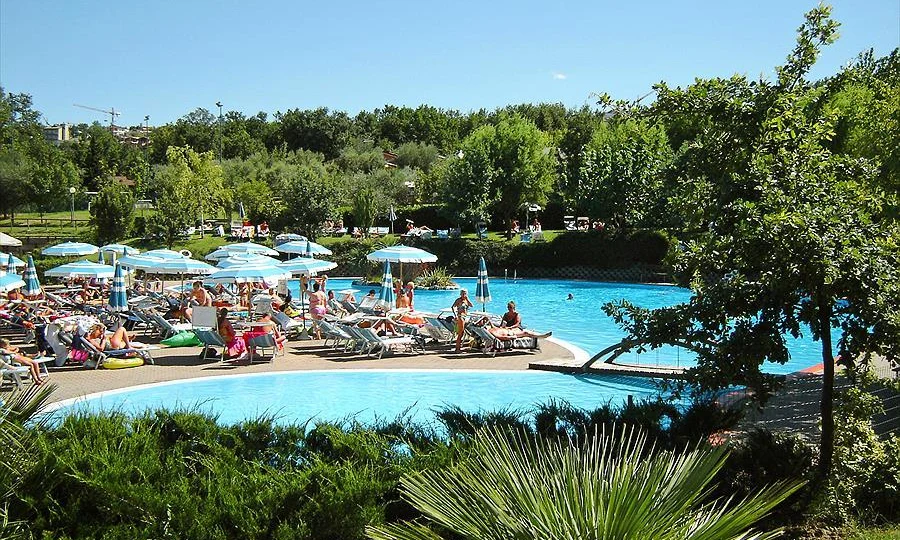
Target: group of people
x,y
510,323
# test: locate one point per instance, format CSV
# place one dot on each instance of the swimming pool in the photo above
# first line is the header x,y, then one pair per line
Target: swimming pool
x,y
366,395
581,321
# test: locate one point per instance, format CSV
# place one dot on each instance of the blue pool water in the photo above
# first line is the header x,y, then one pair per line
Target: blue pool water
x,y
581,322
369,394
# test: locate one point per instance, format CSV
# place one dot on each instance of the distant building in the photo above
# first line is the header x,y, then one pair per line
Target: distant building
x,y
58,133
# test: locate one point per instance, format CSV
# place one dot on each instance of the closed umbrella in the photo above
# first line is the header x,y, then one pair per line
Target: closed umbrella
x,y
85,269
100,258
118,296
303,247
386,294
32,285
402,254
71,249
10,264
482,293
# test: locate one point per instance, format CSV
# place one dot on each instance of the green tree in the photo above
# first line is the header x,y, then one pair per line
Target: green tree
x,y
14,172
98,155
502,167
318,130
621,176
417,156
112,212
188,189
613,486
310,195
792,242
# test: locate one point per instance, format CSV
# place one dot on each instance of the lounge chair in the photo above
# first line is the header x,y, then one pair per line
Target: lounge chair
x,y
101,356
290,327
381,344
491,344
210,339
262,341
437,331
9,372
367,304
167,328
443,234
336,334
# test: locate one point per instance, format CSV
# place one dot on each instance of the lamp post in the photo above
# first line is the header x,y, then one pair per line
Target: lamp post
x,y
72,211
219,105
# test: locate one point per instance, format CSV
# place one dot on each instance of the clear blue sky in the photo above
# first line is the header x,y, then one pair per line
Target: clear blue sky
x,y
164,58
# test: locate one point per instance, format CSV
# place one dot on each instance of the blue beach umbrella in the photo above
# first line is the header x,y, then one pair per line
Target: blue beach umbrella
x,y
86,269
482,292
402,254
100,258
248,274
242,259
18,262
307,266
11,264
303,247
71,249
118,297
248,247
9,282
32,285
120,249
386,295
163,254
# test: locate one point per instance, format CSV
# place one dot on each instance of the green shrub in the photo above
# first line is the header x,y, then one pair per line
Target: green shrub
x,y
437,278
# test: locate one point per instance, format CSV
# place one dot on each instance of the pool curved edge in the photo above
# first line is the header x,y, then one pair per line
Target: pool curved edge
x,y
65,403
581,355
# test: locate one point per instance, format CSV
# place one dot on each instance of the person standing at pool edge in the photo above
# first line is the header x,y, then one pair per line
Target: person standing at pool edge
x,y
460,310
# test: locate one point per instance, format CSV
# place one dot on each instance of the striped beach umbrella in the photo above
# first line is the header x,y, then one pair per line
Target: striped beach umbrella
x,y
70,249
32,285
100,258
482,292
386,295
9,282
120,249
303,247
306,266
11,264
85,269
19,262
118,297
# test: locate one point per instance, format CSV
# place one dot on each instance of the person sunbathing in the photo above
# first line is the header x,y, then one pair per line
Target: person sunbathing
x,y
119,340
16,354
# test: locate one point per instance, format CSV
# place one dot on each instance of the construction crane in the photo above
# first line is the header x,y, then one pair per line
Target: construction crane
x,y
112,112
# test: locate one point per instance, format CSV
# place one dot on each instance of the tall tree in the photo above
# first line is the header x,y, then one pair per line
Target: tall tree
x,y
501,168
112,211
791,243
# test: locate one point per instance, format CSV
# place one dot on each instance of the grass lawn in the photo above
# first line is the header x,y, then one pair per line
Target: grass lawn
x,y
395,239
892,533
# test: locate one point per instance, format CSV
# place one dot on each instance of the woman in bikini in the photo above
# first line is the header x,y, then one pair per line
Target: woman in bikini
x,y
318,303
16,354
117,341
460,310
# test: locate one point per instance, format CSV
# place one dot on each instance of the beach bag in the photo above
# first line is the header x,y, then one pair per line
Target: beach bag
x,y
78,355
183,339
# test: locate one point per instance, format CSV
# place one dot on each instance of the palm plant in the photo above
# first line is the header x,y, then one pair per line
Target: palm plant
x,y
512,486
17,441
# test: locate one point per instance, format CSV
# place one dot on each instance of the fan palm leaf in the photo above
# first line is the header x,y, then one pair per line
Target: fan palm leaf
x,y
612,486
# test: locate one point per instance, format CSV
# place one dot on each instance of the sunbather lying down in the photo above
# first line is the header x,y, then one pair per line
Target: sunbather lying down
x,y
118,340
506,333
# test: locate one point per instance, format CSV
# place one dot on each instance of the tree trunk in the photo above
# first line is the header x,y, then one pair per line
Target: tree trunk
x,y
826,444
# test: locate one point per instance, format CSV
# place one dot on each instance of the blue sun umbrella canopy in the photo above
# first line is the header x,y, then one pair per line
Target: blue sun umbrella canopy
x,y
267,274
386,294
17,261
482,292
248,247
182,267
83,269
120,249
239,259
163,254
118,295
402,254
9,282
70,249
305,266
303,247
32,285
140,262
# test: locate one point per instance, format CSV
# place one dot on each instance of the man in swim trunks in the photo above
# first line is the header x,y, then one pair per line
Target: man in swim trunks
x,y
511,319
